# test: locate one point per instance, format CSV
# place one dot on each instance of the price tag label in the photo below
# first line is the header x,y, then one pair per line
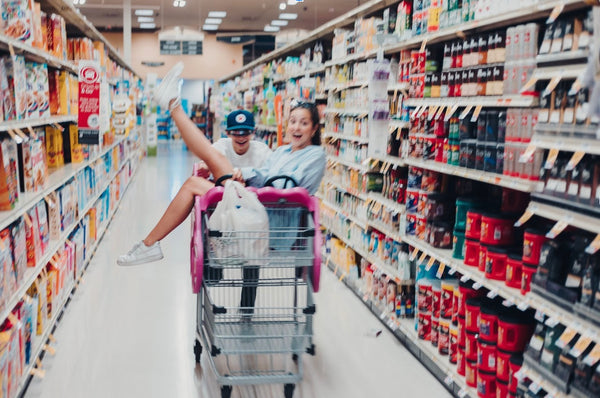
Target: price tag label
x,y
576,87
464,279
529,85
465,112
557,229
575,159
462,393
492,294
423,109
552,156
50,350
414,254
440,271
477,285
432,112
423,257
526,156
535,387
448,380
27,219
555,13
423,45
439,112
523,306
450,113
524,218
581,345
430,263
415,112
452,271
551,322
507,303
11,50
59,127
594,246
593,356
565,338
476,113
552,85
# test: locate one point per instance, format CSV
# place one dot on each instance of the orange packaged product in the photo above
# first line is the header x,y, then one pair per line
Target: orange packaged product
x,y
17,18
54,92
38,38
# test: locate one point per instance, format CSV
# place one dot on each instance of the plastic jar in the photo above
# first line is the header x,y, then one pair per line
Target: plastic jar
x,y
514,332
514,365
486,356
473,226
471,373
471,252
462,332
435,331
444,336
471,346
466,292
436,295
502,365
461,361
440,235
463,205
532,246
448,287
453,348
501,389
495,263
473,307
526,277
424,326
514,267
458,244
424,296
496,229
482,257
486,384
488,322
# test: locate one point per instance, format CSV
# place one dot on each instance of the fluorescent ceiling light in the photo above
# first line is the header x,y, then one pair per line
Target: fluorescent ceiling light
x,y
217,14
78,2
213,21
292,2
179,3
210,27
145,19
147,25
282,6
288,16
145,13
277,22
269,28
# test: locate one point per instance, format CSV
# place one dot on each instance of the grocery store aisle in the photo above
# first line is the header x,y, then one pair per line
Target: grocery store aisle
x,y
129,332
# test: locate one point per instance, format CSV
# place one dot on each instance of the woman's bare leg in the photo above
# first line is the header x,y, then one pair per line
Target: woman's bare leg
x,y
179,208
195,140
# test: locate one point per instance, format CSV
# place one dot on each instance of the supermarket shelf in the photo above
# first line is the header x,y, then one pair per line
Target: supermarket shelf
x,y
543,378
385,229
514,296
398,86
346,137
349,112
547,73
22,124
321,96
567,130
518,184
404,330
347,163
350,58
354,219
568,57
351,191
266,127
558,213
520,101
522,14
347,85
399,124
55,180
390,204
393,160
41,341
567,144
53,246
36,54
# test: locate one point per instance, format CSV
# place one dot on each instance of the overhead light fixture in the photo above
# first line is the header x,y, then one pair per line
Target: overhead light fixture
x,y
213,21
144,13
217,14
288,16
145,19
210,27
269,28
292,2
282,6
277,22
147,26
179,3
78,2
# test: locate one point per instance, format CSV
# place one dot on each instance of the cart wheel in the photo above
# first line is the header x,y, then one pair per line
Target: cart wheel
x,y
295,357
288,390
226,392
197,351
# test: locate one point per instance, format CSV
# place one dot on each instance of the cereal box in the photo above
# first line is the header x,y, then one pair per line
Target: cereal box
x,y
17,83
31,90
17,18
42,90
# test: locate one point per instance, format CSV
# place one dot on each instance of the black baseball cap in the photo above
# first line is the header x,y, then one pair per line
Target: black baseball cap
x,y
240,120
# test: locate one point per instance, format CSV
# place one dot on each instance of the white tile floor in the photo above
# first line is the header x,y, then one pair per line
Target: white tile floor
x,y
129,332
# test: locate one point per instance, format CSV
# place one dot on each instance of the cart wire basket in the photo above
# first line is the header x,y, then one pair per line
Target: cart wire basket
x,y
255,290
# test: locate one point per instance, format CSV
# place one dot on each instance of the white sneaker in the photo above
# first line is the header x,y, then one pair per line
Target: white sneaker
x,y
140,254
168,89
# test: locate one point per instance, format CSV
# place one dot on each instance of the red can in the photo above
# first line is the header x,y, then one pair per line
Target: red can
x,y
462,332
482,257
436,294
514,267
471,373
444,337
467,291
425,296
421,228
488,323
424,326
412,200
453,348
473,307
435,331
411,223
526,276
473,227
496,230
461,361
514,364
532,246
455,303
446,304
471,347
422,203
495,263
486,384
439,149
501,389
471,252
502,365
514,332
486,356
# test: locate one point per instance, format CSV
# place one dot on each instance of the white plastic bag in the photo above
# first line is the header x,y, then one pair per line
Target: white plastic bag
x,y
243,223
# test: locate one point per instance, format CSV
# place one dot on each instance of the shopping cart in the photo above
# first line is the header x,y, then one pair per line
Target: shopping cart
x,y
255,308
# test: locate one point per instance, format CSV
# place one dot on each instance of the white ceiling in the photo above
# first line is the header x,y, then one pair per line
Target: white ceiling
x,y
242,15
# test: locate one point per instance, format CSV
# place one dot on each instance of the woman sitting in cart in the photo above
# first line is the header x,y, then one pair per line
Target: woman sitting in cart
x,y
303,159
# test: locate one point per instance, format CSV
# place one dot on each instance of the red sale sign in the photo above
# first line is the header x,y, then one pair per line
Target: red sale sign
x,y
89,102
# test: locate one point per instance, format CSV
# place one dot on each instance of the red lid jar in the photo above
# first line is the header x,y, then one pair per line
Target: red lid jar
x,y
514,364
473,307
482,257
471,347
471,373
488,323
502,365
501,389
473,227
495,263
532,246
526,277
514,266
486,356
514,331
496,229
471,252
486,384
461,361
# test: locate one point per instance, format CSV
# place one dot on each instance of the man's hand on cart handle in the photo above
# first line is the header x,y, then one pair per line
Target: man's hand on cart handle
x,y
237,175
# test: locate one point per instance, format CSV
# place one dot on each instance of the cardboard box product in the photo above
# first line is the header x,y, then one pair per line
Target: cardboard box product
x,y
9,278
7,108
19,249
72,149
29,319
54,147
17,83
17,16
9,176
33,245
42,90
31,90
36,23
53,216
54,92
44,27
42,219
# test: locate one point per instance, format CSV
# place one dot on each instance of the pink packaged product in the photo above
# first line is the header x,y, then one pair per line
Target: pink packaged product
x,y
19,249
42,90
17,84
31,91
44,234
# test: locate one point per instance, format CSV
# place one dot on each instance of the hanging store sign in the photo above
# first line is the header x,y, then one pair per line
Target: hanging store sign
x,y
180,47
89,102
170,47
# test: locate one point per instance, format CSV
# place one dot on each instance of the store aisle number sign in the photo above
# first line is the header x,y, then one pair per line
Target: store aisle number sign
x,y
89,102
180,47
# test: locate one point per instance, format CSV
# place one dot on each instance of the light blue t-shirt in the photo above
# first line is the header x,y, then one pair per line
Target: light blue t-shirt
x,y
306,166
